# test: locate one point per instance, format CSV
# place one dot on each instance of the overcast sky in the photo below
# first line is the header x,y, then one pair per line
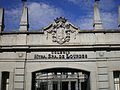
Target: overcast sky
x,y
43,12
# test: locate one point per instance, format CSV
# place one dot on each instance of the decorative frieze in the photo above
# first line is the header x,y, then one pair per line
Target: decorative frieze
x,y
61,30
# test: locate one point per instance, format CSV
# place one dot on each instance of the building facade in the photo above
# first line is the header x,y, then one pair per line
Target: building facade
x,y
60,57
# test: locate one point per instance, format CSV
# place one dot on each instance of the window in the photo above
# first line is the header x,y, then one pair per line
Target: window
x,y
117,80
5,81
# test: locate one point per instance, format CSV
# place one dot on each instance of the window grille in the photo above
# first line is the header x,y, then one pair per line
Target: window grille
x,y
5,81
117,80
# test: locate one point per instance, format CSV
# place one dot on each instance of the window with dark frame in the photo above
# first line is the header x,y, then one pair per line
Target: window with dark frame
x,y
5,81
116,80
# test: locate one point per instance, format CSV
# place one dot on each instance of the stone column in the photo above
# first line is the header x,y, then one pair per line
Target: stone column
x,y
11,83
50,85
76,85
69,85
59,86
79,85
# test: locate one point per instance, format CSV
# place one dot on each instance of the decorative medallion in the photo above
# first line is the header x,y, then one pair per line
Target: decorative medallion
x,y
61,30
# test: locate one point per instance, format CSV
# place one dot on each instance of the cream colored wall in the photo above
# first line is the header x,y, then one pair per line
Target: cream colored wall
x,y
79,39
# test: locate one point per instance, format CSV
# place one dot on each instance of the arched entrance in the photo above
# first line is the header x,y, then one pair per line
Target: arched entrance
x,y
60,79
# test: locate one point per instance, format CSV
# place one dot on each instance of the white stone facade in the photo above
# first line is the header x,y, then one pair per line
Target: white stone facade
x,y
18,50
59,48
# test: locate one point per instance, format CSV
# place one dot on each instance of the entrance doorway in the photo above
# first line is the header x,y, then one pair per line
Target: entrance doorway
x,y
60,79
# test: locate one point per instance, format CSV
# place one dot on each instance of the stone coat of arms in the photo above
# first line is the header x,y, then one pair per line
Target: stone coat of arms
x,y
61,30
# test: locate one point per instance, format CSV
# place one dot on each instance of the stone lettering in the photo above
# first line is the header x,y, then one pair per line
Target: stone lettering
x,y
60,55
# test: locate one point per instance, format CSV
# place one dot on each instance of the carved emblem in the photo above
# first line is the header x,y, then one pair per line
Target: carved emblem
x,y
61,30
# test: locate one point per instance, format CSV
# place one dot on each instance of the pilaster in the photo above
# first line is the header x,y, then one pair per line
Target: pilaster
x,y
1,19
11,78
103,75
20,72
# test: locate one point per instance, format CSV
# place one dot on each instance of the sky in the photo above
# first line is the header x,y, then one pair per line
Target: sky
x,y
43,12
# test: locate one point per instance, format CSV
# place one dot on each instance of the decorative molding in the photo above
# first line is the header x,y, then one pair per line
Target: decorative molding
x,y
20,54
61,30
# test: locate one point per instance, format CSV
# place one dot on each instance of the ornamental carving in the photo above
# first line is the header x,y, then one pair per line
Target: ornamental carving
x,y
61,30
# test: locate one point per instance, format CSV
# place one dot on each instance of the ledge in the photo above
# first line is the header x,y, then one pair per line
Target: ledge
x,y
81,31
29,48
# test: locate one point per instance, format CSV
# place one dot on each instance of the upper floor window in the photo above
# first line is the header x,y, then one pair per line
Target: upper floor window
x,y
117,80
5,81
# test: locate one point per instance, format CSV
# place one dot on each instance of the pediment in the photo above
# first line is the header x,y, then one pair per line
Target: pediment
x,y
61,30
